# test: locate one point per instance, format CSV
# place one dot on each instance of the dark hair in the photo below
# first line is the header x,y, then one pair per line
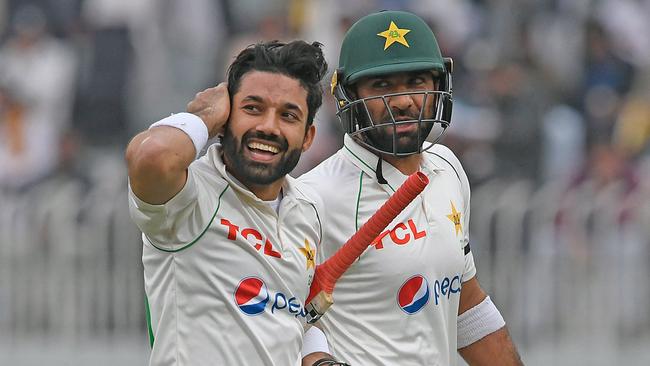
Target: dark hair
x,y
298,59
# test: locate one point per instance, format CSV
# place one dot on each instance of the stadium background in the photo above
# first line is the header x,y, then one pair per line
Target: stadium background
x,y
551,120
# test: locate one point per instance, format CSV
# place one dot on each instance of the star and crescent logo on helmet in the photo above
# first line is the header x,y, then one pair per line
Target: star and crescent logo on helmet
x,y
394,34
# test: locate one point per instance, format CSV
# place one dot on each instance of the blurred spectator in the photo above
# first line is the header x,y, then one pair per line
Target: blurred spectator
x,y
193,47
607,77
38,74
563,143
100,111
556,38
453,26
604,171
607,165
519,97
626,21
177,47
632,130
471,135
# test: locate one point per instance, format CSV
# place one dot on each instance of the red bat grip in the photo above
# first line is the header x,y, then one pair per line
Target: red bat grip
x,y
332,269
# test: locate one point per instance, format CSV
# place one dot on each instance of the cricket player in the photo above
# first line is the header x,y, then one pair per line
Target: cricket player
x,y
230,239
412,298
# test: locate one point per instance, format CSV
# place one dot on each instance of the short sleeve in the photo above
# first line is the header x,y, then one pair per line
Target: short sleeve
x,y
166,225
470,269
444,152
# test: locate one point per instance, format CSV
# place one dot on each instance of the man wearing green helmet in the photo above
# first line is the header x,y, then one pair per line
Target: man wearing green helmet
x,y
412,298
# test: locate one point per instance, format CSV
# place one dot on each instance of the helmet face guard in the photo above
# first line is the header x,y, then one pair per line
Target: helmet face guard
x,y
433,119
387,43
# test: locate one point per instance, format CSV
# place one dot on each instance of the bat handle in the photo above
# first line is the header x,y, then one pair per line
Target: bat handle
x,y
318,306
332,269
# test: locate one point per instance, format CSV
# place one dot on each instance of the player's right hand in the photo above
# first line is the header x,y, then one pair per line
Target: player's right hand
x,y
212,105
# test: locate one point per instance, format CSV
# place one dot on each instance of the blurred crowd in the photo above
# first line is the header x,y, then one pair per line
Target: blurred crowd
x,y
544,90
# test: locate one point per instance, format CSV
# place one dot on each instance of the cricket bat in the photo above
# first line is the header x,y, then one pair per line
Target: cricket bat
x,y
328,272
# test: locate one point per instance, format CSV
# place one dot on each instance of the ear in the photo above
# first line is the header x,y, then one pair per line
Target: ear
x,y
309,137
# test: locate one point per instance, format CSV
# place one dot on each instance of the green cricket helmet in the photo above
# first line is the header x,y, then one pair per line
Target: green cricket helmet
x,y
385,43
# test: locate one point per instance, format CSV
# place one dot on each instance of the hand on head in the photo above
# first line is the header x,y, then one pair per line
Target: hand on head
x,y
212,105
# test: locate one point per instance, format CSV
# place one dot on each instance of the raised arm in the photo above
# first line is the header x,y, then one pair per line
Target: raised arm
x,y
158,158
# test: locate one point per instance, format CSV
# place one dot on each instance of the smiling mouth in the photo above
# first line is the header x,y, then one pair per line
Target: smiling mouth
x,y
261,152
263,147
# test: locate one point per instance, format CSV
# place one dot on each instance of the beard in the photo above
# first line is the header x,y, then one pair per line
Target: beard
x,y
406,142
248,171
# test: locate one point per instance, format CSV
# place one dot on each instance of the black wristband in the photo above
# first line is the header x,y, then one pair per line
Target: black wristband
x,y
329,362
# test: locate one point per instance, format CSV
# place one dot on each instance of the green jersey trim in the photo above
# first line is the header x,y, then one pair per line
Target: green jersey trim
x,y
368,166
356,214
147,313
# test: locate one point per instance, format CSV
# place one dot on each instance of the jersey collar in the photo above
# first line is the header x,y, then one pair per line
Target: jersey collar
x,y
289,189
367,162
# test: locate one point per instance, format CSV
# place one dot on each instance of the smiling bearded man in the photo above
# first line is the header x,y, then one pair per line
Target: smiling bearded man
x,y
254,171
225,264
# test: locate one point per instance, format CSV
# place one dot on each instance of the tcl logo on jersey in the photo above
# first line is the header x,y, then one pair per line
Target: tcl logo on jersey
x,y
414,294
401,234
252,296
251,235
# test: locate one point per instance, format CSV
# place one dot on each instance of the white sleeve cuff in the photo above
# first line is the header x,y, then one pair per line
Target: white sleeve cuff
x,y
314,340
189,123
478,322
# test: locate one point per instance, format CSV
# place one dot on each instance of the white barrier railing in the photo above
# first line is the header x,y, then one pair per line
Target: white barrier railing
x,y
560,264
565,264
70,262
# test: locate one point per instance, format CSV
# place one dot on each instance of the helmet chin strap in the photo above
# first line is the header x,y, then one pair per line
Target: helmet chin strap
x,y
378,172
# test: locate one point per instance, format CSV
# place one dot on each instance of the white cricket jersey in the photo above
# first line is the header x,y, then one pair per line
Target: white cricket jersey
x,y
225,275
397,304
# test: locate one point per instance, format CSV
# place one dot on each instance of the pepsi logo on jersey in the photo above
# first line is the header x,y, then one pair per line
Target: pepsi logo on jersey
x,y
445,287
252,297
414,293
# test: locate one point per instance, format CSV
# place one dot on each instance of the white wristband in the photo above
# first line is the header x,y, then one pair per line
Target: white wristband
x,y
189,123
314,340
478,322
